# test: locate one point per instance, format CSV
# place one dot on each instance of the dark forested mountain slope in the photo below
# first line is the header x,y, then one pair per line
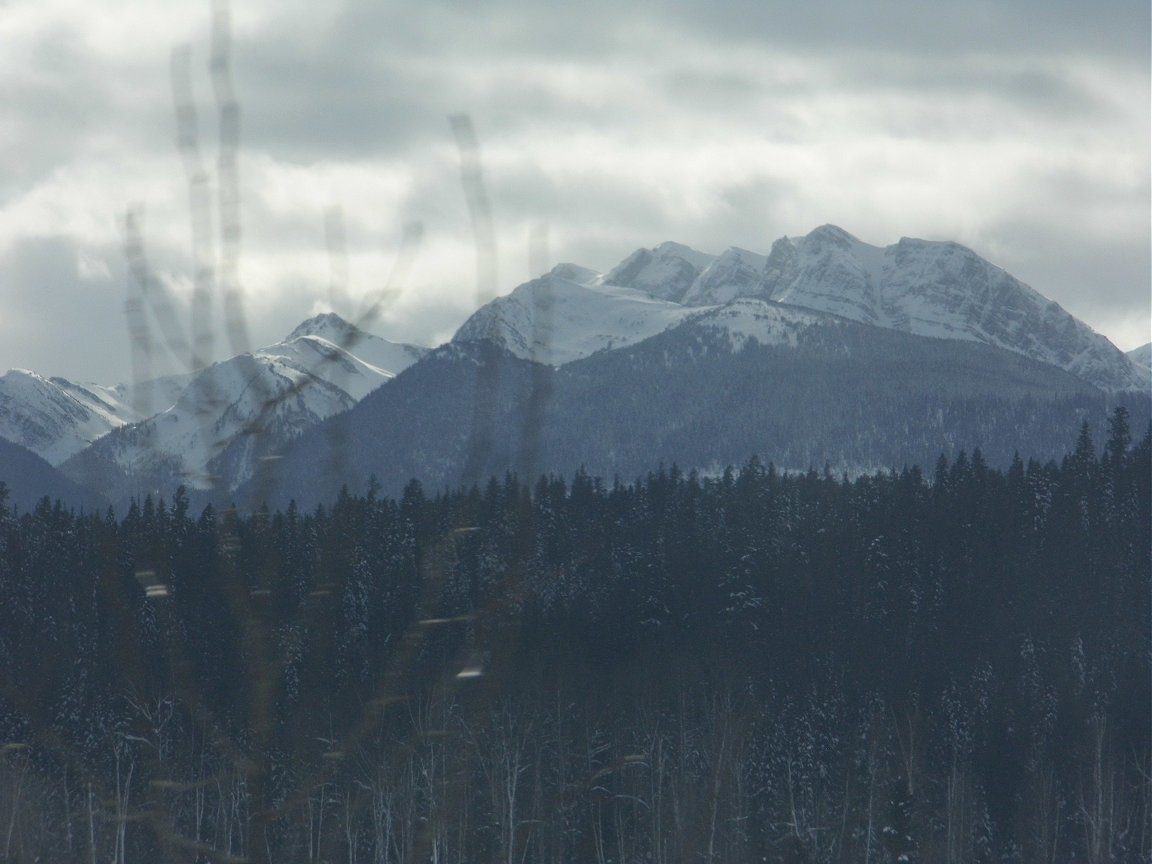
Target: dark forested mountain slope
x,y
29,479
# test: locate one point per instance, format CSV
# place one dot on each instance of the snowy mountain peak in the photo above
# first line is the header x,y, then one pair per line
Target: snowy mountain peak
x,y
23,377
944,290
666,271
330,326
554,320
833,235
736,273
828,270
672,249
575,273
924,287
235,413
780,261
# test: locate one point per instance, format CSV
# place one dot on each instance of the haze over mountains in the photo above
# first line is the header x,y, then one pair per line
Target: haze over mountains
x,y
825,350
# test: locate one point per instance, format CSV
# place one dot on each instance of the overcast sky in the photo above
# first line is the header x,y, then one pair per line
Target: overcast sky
x,y
1019,128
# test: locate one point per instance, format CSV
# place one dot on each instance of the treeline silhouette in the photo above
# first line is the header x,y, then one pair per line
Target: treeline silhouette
x,y
948,665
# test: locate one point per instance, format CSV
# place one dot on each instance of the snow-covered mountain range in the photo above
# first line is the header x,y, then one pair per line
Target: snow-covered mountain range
x,y
221,420
926,288
56,418
818,298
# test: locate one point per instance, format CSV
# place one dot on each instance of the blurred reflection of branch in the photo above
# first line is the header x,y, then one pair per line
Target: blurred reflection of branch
x,y
150,294
199,208
228,110
480,441
479,207
215,250
410,239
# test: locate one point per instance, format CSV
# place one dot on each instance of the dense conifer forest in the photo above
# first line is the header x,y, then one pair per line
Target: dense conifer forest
x,y
938,665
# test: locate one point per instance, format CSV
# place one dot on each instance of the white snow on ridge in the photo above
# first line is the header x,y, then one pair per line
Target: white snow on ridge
x,y
148,397
338,351
246,396
357,368
942,290
183,425
828,270
927,288
328,361
554,320
325,366
576,273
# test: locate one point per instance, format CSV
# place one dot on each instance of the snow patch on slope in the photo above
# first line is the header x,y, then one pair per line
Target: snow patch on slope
x,y
357,368
752,319
829,270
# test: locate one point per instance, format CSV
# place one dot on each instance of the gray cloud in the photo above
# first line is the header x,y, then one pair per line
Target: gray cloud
x,y
929,30
62,310
1019,128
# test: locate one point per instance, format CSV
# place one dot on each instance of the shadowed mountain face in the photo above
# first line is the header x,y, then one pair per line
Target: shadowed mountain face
x,y
30,479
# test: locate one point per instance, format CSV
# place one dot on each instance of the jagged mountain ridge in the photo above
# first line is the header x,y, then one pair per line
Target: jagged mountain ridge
x,y
940,289
668,271
927,288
